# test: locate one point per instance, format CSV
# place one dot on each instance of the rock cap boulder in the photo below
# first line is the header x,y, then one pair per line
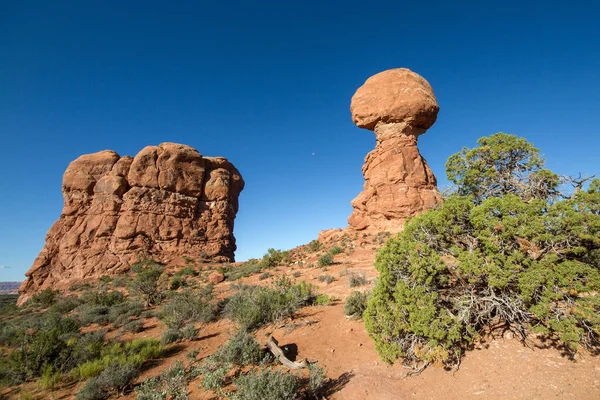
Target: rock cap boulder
x,y
395,95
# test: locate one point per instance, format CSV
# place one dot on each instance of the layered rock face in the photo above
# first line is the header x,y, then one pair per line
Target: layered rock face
x,y
398,105
166,202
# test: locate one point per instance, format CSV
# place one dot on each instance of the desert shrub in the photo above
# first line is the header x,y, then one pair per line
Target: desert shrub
x,y
246,269
297,274
189,332
149,314
189,306
49,379
314,245
171,335
356,280
325,260
93,314
151,389
119,376
316,379
46,345
135,352
115,378
523,260
92,390
335,250
241,349
177,282
105,279
326,278
266,384
189,271
146,283
254,306
44,299
274,257
264,275
134,326
120,314
65,304
356,304
214,374
323,300
106,298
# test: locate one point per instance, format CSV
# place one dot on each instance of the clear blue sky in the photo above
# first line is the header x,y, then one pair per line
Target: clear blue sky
x,y
268,85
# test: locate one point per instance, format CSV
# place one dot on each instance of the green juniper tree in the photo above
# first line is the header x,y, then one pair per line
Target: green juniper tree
x,y
501,252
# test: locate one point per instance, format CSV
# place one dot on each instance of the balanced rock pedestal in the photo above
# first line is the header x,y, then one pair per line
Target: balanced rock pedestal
x,y
166,202
398,105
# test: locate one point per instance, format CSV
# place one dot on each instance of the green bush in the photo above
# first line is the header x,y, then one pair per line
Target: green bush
x,y
102,298
316,379
326,278
171,384
241,349
46,341
189,332
146,283
171,335
314,245
120,314
64,305
44,299
254,306
266,384
134,326
135,352
325,260
356,304
356,280
264,275
187,307
115,378
274,257
92,390
526,261
246,269
177,282
93,314
335,250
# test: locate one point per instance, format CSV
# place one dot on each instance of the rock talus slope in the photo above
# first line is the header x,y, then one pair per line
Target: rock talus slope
x,y
398,105
166,202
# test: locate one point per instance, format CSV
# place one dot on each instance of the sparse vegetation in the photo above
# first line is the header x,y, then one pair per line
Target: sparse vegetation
x,y
326,278
267,384
146,282
325,260
356,280
356,304
254,306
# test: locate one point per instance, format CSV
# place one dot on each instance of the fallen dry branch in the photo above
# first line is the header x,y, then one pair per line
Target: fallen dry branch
x,y
273,346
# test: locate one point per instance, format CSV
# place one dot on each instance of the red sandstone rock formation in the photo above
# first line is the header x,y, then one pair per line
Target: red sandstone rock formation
x,y
398,105
166,202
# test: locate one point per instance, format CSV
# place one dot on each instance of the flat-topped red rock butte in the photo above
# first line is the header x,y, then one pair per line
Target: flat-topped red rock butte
x,y
166,202
398,105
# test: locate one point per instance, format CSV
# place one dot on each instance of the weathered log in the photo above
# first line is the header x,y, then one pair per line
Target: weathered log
x,y
273,346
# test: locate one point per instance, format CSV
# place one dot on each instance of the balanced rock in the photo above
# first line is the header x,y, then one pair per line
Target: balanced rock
x,y
398,105
166,202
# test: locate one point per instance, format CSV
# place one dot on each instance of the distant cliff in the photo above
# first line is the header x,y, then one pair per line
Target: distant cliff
x,y
9,287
